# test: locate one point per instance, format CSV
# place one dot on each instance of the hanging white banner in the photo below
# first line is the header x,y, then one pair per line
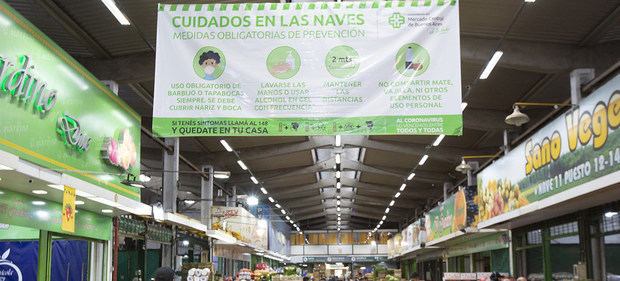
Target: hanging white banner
x,y
308,69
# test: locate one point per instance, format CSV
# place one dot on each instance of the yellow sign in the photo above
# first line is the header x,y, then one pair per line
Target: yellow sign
x,y
68,210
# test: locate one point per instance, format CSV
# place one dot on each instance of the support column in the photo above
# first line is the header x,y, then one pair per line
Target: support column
x,y
170,184
579,77
45,256
471,178
446,186
234,196
171,176
507,147
206,196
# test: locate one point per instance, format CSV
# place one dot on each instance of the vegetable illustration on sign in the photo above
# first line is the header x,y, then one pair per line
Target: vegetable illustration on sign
x,y
122,152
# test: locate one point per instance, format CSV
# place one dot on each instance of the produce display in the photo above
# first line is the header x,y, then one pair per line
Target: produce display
x,y
499,196
244,274
197,272
290,270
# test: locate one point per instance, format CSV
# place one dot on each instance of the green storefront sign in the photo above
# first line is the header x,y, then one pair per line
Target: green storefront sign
x,y
486,243
578,147
450,216
56,114
20,210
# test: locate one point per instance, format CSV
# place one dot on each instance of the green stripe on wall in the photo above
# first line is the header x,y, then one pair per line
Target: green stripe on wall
x,y
223,7
248,6
261,6
274,6
185,8
236,7
210,7
198,7
173,8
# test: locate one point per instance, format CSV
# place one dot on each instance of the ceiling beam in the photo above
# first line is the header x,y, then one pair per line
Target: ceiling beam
x,y
74,29
600,29
539,57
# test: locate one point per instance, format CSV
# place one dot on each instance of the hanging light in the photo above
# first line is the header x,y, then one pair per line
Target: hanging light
x,y
338,140
337,158
410,176
517,118
463,167
402,187
252,201
226,145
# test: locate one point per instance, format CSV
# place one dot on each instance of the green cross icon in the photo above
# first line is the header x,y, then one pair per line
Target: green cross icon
x,y
396,20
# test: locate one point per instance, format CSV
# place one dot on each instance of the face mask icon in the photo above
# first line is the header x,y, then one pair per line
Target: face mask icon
x,y
209,69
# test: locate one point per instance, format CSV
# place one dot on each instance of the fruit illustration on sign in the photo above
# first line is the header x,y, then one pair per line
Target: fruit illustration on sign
x,y
8,269
122,152
68,212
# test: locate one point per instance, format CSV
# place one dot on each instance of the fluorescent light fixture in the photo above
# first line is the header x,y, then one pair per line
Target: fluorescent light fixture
x,y
438,140
242,165
39,192
337,158
79,202
120,17
226,145
338,202
83,194
373,242
384,217
611,214
144,178
397,195
189,202
38,203
338,214
107,211
380,223
402,186
463,106
288,218
57,186
338,197
489,67
221,175
387,210
283,211
423,160
410,176
185,243
5,168
392,203
337,174
158,212
271,199
338,140
278,206
338,209
530,1
254,180
252,201
338,185
339,218
263,190
338,222
138,185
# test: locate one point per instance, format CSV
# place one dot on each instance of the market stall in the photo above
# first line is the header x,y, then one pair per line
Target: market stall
x,y
67,149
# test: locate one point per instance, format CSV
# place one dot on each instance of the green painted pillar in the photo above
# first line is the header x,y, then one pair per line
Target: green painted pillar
x,y
45,256
547,254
